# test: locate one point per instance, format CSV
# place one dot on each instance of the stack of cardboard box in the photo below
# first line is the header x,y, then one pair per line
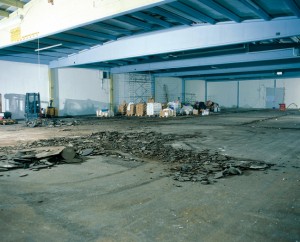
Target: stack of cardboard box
x,y
122,108
141,109
131,108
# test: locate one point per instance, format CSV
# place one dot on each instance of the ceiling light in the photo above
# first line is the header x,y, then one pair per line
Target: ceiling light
x,y
48,47
279,73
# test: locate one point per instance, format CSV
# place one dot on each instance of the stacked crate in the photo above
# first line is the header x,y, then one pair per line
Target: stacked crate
x,y
153,109
141,109
131,109
122,108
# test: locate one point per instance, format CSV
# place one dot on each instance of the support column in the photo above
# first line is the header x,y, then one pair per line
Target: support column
x,y
274,100
153,87
183,90
111,93
238,95
205,91
54,89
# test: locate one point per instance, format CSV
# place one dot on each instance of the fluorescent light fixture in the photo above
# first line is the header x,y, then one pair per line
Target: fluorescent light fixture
x,y
279,73
48,47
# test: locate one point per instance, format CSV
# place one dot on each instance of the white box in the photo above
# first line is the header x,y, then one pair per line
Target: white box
x,y
153,108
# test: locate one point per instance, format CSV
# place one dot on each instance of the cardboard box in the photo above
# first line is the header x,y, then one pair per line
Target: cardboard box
x,y
205,112
130,109
165,113
141,109
122,108
195,112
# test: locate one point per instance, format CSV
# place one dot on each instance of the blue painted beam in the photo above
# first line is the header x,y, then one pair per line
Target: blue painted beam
x,y
23,60
193,12
74,46
170,15
152,19
209,61
185,38
136,22
294,7
256,9
245,77
254,68
77,39
217,7
94,34
104,26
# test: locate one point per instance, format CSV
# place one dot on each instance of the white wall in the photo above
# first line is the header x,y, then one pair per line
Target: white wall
x,y
195,88
81,91
223,93
172,86
292,90
16,79
252,93
131,88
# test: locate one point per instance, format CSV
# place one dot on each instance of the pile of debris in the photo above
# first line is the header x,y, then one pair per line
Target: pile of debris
x,y
37,158
185,165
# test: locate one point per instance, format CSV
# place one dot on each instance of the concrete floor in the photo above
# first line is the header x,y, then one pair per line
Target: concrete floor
x,y
108,199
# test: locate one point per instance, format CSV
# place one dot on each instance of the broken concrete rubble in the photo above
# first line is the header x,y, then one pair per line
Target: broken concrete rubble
x,y
184,164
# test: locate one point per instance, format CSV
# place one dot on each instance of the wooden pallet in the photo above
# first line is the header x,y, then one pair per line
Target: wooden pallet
x,y
7,121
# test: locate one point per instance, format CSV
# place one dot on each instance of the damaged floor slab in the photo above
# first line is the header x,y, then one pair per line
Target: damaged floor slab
x,y
231,176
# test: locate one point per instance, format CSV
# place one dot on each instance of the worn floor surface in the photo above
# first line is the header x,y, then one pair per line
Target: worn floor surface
x,y
108,199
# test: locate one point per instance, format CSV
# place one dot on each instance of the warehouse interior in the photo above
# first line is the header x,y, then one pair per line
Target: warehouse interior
x,y
93,168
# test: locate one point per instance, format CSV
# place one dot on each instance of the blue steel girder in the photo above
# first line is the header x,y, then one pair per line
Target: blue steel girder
x,y
210,61
192,12
24,59
94,34
172,16
184,38
251,76
256,9
294,7
152,19
136,22
217,7
255,68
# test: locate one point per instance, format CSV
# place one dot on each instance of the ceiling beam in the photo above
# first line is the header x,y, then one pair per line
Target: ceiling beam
x,y
209,61
193,12
109,27
250,76
170,15
4,13
94,34
77,39
23,59
152,19
217,7
294,7
183,39
256,9
253,68
135,22
14,3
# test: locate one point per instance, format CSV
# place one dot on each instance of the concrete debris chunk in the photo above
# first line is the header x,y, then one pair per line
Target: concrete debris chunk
x,y
185,163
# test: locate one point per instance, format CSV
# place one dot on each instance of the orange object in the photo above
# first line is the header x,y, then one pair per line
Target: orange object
x,y
282,107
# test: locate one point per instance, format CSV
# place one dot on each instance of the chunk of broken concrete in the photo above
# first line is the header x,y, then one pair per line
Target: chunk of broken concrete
x,y
68,153
219,175
87,152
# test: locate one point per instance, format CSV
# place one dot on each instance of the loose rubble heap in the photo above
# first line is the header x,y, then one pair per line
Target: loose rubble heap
x,y
185,165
